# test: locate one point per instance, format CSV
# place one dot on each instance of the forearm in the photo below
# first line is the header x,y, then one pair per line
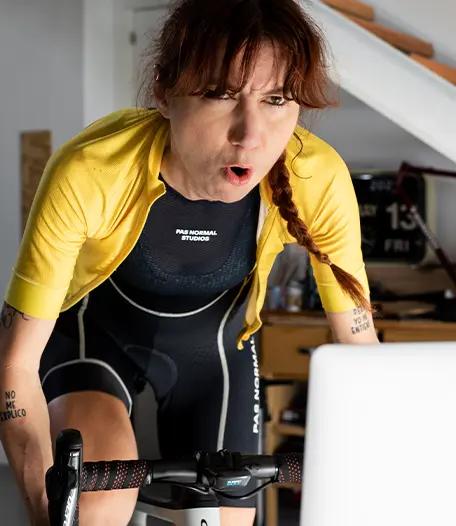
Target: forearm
x,y
354,326
25,435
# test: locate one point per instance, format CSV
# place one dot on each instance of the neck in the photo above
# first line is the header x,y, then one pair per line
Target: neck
x,y
175,177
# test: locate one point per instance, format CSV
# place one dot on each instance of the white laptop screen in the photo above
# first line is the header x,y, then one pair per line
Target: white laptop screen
x,y
381,436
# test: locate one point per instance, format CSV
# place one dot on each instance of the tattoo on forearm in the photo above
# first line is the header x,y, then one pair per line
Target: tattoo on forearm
x,y
8,315
361,321
12,411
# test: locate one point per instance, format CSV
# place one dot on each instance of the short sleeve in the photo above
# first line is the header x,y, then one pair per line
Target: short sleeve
x,y
55,231
336,231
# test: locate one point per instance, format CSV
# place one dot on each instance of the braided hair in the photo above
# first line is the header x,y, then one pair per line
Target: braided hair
x,y
282,197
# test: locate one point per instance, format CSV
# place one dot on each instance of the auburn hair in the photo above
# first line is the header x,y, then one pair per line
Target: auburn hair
x,y
187,51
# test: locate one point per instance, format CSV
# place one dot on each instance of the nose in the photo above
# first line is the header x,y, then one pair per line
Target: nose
x,y
246,129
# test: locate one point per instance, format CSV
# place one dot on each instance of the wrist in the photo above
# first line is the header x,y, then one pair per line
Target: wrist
x,y
38,510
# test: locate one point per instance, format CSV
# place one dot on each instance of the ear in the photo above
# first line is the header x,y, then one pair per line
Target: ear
x,y
161,100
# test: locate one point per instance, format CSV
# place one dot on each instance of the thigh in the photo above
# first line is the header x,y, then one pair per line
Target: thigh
x,y
81,356
107,434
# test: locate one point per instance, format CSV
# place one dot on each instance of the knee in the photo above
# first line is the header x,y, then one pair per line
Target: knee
x,y
239,516
107,508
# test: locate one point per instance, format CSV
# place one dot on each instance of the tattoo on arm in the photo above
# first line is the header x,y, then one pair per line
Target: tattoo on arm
x,y
361,322
12,411
8,314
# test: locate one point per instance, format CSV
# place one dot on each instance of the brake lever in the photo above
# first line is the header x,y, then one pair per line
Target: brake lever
x,y
63,486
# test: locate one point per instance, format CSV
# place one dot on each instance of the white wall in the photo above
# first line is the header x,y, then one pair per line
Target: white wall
x,y
367,139
108,57
98,58
41,88
433,21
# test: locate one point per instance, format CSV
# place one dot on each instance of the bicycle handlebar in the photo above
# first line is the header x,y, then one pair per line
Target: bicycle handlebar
x,y
124,474
223,472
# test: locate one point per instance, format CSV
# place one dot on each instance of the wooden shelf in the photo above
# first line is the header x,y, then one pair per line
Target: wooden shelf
x,y
289,429
304,319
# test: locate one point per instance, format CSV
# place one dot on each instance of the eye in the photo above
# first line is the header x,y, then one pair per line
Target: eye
x,y
276,100
214,95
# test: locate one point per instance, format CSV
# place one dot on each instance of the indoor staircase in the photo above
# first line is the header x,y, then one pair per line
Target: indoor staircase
x,y
391,71
418,49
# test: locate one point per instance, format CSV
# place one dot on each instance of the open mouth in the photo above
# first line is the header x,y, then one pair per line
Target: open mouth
x,y
238,175
239,171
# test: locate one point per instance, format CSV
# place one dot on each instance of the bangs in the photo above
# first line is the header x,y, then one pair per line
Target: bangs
x,y
228,68
215,45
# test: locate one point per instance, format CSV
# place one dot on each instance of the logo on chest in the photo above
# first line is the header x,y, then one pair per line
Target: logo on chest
x,y
195,235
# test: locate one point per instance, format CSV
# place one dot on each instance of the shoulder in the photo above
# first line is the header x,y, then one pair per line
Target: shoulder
x,y
116,136
100,161
320,180
315,169
310,158
124,120
97,155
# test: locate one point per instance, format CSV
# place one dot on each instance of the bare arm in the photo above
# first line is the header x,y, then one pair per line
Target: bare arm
x,y
353,326
24,418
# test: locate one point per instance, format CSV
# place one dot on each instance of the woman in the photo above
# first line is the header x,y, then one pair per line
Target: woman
x,y
150,241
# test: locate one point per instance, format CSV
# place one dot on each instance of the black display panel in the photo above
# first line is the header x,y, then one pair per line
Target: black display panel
x,y
389,233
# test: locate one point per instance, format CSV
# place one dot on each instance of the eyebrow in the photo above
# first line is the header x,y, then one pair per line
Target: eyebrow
x,y
277,89
273,91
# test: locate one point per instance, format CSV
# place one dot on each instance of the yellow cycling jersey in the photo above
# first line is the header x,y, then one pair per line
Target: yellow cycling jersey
x,y
94,197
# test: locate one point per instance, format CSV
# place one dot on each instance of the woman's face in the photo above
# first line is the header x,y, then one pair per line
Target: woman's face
x,y
249,130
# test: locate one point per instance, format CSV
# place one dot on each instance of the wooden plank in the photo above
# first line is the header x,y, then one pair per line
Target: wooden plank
x,y
303,321
418,335
402,41
352,7
282,350
279,397
35,153
447,72
291,430
272,505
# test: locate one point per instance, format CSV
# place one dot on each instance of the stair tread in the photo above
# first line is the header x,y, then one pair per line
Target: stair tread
x,y
418,49
403,41
445,71
354,7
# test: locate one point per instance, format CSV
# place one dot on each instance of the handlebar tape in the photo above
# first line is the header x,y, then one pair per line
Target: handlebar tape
x,y
116,474
290,467
123,474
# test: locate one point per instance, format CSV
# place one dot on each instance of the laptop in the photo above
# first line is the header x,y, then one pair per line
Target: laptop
x,y
380,444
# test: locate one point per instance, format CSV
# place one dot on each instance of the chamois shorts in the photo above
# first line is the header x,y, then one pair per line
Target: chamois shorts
x,y
207,391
